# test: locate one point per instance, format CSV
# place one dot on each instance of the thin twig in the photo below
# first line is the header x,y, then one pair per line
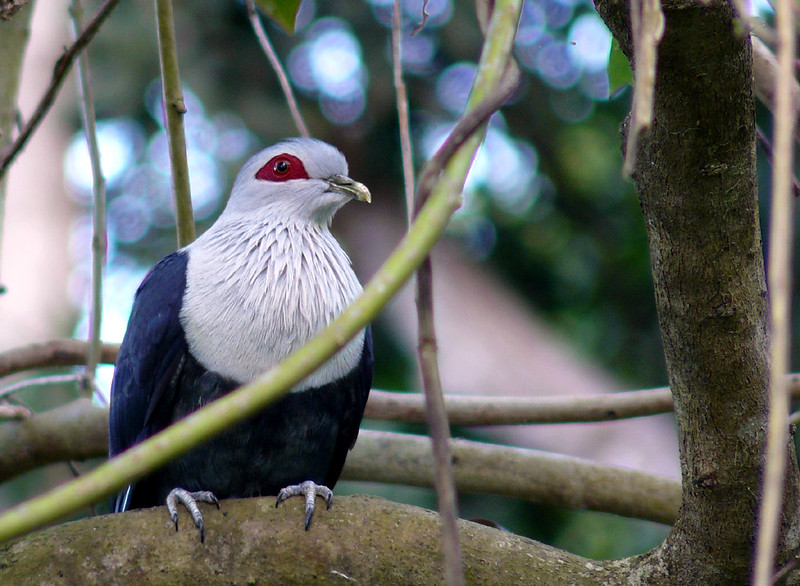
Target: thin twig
x,y
269,51
99,236
60,72
464,130
765,76
402,109
647,27
444,480
763,140
57,379
438,426
175,108
504,15
779,281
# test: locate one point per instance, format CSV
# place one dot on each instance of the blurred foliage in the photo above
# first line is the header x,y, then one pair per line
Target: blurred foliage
x,y
576,248
282,12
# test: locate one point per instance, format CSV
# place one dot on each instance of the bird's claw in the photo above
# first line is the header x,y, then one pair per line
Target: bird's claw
x,y
311,491
190,500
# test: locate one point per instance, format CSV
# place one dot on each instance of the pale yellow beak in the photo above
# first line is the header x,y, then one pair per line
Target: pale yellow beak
x,y
345,185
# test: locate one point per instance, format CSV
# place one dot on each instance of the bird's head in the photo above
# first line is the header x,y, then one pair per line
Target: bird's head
x,y
299,178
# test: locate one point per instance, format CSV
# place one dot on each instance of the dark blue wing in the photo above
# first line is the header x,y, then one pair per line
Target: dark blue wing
x,y
151,354
361,381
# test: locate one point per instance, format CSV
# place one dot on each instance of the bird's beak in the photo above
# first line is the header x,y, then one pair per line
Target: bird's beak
x,y
345,185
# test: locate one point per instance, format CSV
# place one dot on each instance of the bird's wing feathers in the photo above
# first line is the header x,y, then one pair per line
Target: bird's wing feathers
x,y
348,430
150,356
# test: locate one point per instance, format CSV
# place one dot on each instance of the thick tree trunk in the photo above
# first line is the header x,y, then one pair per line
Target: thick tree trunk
x,y
696,178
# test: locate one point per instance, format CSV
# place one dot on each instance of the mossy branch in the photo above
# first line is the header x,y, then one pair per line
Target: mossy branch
x,y
360,540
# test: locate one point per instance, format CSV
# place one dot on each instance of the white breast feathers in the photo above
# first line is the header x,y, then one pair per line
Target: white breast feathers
x,y
256,293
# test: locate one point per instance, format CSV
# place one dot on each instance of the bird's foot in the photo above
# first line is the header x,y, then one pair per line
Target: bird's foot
x,y
190,500
311,491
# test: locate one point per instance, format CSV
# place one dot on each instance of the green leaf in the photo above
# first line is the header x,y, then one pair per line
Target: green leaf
x,y
619,69
281,12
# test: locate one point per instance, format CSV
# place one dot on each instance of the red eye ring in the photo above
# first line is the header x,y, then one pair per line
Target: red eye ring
x,y
282,168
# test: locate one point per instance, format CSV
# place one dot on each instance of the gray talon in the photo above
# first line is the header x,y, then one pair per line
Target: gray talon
x,y
310,490
190,500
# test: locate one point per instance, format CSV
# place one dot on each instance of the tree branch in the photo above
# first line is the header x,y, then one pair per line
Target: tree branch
x,y
401,98
360,540
79,431
58,352
493,67
492,410
99,235
174,109
409,407
76,431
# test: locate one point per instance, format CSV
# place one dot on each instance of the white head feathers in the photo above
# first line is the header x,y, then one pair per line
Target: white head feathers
x,y
299,178
269,275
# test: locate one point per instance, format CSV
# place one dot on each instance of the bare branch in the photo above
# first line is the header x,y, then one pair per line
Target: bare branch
x,y
765,74
99,236
76,431
174,108
269,51
779,280
647,25
59,352
360,540
79,431
402,108
489,410
40,381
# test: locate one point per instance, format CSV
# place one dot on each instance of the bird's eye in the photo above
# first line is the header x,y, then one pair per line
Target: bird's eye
x,y
282,168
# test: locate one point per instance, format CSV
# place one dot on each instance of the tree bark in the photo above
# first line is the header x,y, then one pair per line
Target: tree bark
x,y
360,540
696,178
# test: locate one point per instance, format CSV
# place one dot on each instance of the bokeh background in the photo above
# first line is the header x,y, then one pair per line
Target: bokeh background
x,y
542,282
